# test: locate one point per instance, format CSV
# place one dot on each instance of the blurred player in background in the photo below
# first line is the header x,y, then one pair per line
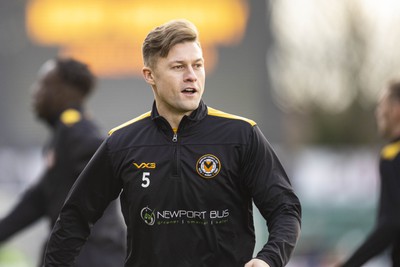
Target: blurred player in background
x,y
386,233
62,88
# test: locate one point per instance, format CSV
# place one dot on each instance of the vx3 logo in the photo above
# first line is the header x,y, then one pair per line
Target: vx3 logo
x,y
150,165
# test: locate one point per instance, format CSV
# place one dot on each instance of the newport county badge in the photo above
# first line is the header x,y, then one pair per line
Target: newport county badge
x,y
208,166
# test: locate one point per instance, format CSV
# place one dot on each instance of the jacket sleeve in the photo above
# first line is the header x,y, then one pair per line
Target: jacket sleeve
x,y
94,189
378,240
29,209
387,228
273,195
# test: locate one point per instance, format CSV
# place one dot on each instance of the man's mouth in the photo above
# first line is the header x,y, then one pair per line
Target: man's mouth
x,y
189,90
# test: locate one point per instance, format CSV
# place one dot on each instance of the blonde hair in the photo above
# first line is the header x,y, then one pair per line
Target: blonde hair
x,y
160,40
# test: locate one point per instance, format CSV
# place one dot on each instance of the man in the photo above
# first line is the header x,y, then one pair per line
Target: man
x,y
62,88
188,174
386,233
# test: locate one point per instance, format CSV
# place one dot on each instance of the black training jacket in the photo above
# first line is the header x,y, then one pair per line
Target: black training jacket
x,y
386,233
73,142
186,196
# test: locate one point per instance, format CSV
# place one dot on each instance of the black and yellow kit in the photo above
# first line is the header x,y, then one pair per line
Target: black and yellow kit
x,y
186,194
73,142
386,233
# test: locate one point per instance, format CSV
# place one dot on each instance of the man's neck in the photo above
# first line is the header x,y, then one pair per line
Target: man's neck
x,y
395,133
173,119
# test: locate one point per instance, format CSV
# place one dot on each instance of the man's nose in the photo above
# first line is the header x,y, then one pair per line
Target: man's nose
x,y
190,74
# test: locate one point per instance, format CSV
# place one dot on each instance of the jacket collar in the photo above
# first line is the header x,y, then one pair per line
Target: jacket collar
x,y
393,140
186,122
54,121
197,115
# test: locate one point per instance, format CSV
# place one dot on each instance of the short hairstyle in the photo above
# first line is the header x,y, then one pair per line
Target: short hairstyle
x,y
76,74
160,40
394,89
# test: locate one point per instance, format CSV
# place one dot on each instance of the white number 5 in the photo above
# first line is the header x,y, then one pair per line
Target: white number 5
x,y
146,179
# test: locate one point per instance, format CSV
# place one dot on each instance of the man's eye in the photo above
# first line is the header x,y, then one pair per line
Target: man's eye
x,y
178,67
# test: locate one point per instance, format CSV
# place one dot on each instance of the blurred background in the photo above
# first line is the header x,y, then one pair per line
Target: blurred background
x,y
307,71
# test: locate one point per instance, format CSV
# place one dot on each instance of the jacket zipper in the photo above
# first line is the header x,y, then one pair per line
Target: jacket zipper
x,y
176,159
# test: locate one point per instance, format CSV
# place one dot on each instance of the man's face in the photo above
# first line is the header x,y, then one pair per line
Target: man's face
x,y
178,80
388,116
44,91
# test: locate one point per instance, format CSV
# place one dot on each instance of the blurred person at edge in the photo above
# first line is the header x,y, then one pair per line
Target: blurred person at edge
x,y
188,174
386,233
59,95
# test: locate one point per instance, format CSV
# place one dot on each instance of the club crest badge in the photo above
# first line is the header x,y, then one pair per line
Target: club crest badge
x,y
208,166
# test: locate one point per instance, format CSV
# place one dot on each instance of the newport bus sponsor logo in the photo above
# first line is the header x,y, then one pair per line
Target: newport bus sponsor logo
x,y
166,217
147,215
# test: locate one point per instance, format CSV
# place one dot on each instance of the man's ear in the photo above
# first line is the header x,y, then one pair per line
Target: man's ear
x,y
148,75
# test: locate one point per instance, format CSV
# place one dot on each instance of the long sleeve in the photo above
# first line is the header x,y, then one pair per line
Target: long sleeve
x,y
89,197
387,228
29,209
274,197
378,240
